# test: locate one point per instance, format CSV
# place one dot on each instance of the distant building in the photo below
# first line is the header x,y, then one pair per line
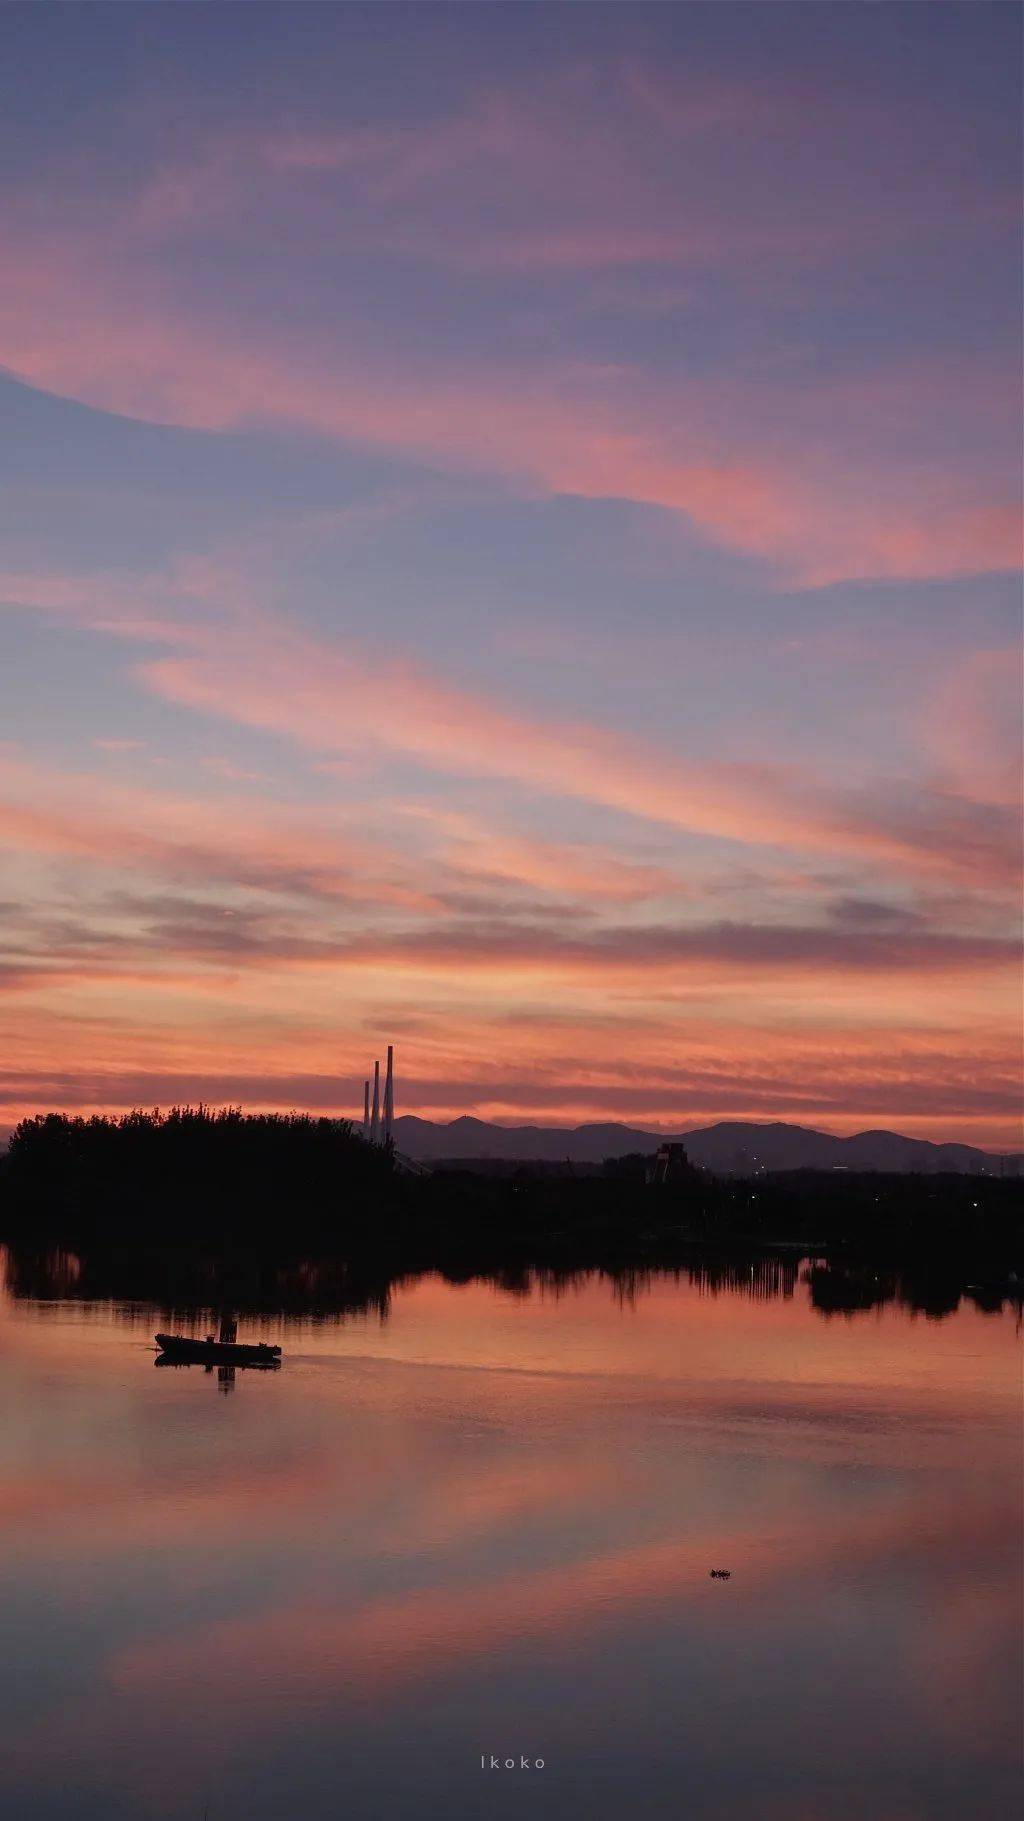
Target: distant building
x,y
671,1164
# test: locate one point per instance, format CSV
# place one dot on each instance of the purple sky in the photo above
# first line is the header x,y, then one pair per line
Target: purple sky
x,y
511,544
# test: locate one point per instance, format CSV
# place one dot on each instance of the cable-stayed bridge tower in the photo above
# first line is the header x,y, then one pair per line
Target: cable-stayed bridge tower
x,y
378,1117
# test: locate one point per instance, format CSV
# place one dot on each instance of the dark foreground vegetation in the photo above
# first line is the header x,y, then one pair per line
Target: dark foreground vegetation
x,y
289,1188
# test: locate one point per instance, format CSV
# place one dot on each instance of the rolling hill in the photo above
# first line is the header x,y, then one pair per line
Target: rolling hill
x,y
729,1146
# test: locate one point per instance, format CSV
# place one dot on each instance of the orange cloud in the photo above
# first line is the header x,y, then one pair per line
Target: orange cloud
x,y
935,1064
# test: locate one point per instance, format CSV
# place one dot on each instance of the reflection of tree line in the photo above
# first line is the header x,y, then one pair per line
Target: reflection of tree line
x,y
763,1278
851,1289
187,1285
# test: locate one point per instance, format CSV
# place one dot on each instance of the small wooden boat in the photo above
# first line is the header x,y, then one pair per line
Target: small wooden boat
x,y
186,1350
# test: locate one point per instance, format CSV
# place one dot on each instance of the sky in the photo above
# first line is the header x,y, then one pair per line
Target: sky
x,y
510,545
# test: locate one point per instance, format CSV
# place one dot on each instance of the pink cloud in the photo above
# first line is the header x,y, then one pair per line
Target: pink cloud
x,y
972,727
325,700
244,667
298,849
802,499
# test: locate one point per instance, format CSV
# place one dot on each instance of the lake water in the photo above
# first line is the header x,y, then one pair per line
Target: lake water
x,y
482,1523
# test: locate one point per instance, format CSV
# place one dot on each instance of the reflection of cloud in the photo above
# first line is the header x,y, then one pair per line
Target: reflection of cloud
x,y
373,1647
357,1655
971,1646
295,1494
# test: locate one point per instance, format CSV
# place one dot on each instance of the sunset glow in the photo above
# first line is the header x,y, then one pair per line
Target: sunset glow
x,y
514,552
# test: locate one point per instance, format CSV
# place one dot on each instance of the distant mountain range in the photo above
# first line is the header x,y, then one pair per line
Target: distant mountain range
x,y
730,1146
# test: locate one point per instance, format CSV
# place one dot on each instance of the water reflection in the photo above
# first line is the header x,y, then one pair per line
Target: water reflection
x,y
478,1513
225,1374
189,1285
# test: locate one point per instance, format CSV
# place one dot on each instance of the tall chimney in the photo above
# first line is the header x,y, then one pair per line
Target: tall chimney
x,y
375,1115
389,1094
366,1111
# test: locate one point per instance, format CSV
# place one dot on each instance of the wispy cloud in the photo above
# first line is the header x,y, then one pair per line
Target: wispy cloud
x,y
662,803
325,700
824,468
241,665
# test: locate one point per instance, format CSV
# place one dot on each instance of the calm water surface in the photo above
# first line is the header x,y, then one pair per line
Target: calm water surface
x,y
485,1524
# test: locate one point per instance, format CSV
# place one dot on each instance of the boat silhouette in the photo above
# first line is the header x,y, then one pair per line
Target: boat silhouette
x,y
183,1349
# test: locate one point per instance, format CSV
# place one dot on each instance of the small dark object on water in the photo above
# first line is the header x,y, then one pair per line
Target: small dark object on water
x,y
720,1574
212,1352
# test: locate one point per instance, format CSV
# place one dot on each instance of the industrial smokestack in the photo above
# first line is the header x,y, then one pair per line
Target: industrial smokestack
x,y
389,1094
375,1115
366,1111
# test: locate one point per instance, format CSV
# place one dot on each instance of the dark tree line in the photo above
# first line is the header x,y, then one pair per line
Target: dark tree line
x,y
185,1168
225,1177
